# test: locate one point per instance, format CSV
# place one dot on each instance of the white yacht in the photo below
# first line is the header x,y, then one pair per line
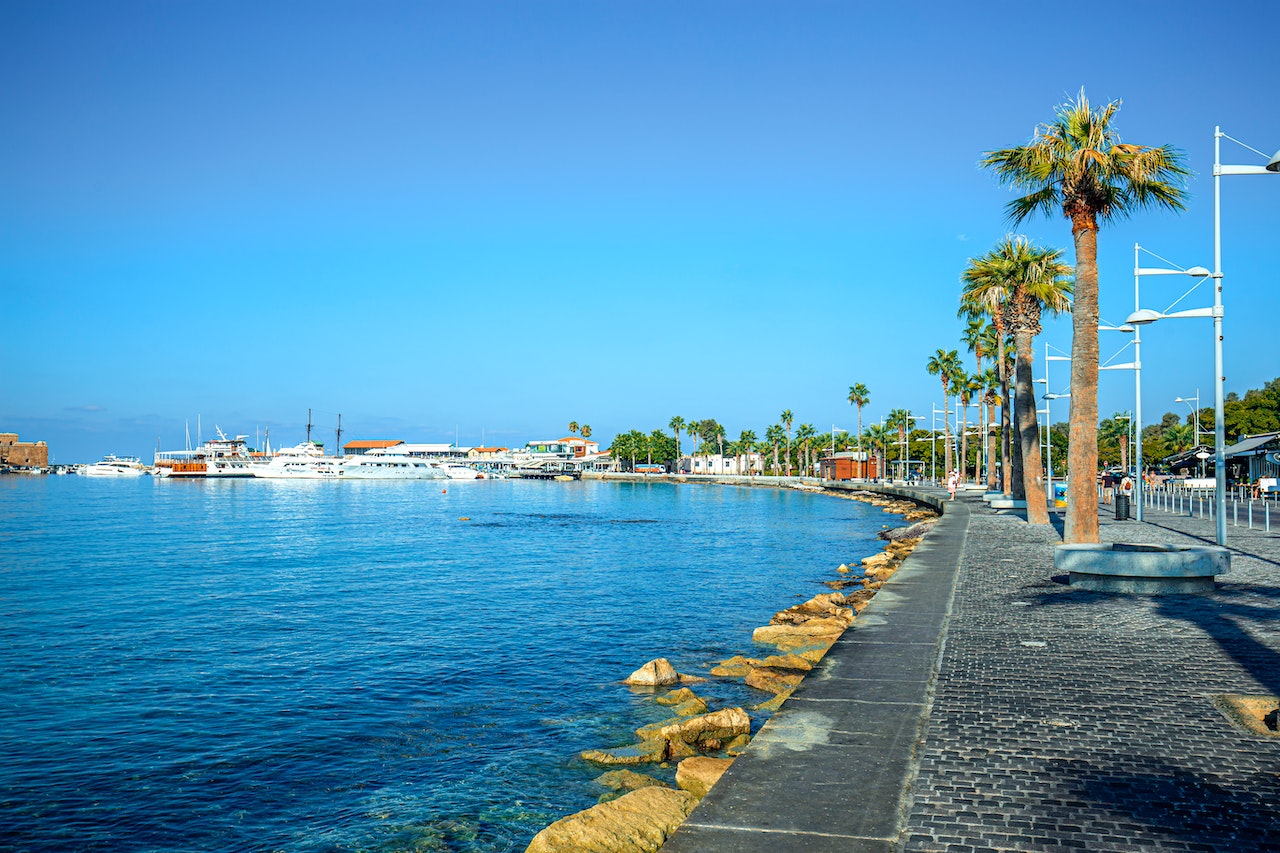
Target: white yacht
x,y
217,457
305,461
462,472
382,464
115,466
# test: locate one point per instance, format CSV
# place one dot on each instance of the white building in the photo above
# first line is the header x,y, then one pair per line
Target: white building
x,y
714,463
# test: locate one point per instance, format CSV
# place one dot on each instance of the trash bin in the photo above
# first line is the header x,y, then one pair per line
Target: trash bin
x,y
1122,507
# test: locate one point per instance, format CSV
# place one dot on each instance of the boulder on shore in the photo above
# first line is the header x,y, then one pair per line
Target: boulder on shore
x,y
647,752
638,822
915,531
700,732
656,673
625,780
676,697
698,774
772,679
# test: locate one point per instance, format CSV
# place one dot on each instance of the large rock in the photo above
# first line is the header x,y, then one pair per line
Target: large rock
x,y
915,531
638,822
773,680
625,780
707,731
655,673
646,752
675,697
696,775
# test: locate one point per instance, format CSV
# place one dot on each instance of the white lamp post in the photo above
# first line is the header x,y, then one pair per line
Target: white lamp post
x,y
1195,420
1142,316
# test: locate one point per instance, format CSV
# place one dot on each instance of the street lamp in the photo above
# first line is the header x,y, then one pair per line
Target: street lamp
x,y
1142,316
834,430
1195,420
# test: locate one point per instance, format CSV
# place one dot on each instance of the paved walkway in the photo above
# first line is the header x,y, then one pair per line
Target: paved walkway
x,y
980,703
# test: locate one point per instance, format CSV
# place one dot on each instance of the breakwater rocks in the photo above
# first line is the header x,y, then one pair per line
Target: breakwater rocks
x,y
637,813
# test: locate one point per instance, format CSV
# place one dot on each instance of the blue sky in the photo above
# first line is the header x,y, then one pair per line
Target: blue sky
x,y
491,219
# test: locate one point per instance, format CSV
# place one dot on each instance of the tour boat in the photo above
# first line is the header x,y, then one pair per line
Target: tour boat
x,y
115,466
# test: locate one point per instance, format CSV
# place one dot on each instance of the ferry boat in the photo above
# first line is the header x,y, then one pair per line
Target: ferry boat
x,y
115,466
217,457
307,462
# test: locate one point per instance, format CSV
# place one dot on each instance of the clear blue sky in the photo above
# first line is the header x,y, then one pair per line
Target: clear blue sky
x,y
501,217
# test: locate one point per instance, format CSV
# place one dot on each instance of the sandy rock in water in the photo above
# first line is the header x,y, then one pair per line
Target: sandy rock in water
x,y
625,780
735,667
695,706
772,705
723,726
698,774
646,752
915,531
773,680
655,673
676,697
795,662
639,822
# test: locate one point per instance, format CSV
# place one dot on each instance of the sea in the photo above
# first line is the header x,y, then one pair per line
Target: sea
x,y
253,665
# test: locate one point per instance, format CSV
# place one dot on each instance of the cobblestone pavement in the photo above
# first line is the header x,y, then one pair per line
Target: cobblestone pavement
x,y
1070,720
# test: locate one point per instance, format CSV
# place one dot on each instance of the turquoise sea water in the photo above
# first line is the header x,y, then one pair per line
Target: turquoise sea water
x,y
313,666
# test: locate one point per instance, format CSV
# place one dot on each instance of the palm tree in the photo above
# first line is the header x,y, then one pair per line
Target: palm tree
x,y
573,427
967,385
878,442
944,364
692,427
1041,283
983,295
676,424
786,417
990,394
804,435
859,396
899,421
774,436
746,444
586,430
1116,428
1077,163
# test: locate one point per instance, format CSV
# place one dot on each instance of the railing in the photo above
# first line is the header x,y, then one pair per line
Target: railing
x,y
1200,503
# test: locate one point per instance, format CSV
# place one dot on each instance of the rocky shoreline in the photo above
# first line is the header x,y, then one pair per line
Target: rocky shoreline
x,y
639,812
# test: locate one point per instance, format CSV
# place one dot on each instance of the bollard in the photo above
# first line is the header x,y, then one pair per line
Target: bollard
x,y
1235,513
1250,513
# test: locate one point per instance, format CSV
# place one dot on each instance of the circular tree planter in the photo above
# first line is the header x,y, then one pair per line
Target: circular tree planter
x,y
1150,569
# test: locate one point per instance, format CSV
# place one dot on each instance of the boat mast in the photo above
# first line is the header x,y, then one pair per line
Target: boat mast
x,y
337,447
308,426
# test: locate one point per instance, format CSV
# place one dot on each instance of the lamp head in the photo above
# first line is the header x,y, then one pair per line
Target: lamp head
x,y
1201,272
1274,165
1142,317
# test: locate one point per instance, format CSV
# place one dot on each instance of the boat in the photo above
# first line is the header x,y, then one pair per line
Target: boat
x,y
305,461
217,457
115,466
462,472
380,464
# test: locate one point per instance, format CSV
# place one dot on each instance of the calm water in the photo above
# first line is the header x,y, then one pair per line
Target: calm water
x,y
314,666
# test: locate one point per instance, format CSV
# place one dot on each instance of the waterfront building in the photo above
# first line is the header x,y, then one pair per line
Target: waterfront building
x,y
22,454
361,446
714,463
849,465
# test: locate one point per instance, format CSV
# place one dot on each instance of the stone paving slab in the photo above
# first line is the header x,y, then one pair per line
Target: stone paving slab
x,y
980,703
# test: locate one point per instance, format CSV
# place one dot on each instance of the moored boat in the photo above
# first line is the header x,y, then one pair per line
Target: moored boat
x,y
115,466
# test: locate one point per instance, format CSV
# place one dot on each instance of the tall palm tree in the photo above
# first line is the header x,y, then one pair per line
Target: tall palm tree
x,y
878,441
1041,283
805,435
774,436
573,427
786,417
1076,163
746,444
586,430
990,394
983,295
1116,428
944,364
967,387
676,424
693,427
859,396
898,422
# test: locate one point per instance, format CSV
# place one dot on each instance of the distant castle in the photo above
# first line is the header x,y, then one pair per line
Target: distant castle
x,y
22,454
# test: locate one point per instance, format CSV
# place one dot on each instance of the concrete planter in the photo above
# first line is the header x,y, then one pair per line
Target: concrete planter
x,y
1007,503
1150,569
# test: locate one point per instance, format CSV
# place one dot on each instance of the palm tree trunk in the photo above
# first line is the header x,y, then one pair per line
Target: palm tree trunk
x,y
1006,433
946,440
992,434
1082,451
1029,433
964,443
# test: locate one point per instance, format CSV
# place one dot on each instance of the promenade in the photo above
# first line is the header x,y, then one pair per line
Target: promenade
x,y
980,703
